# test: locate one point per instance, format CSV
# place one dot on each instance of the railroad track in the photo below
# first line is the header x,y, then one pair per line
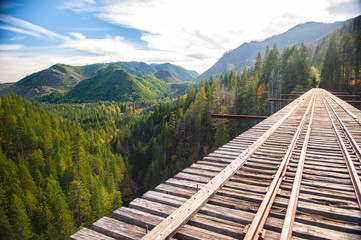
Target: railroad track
x,y
294,175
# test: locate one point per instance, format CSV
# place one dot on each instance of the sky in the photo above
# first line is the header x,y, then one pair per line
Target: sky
x,y
35,34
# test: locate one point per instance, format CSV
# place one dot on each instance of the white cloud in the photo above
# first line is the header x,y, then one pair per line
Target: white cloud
x,y
28,28
347,8
79,5
18,30
89,1
77,35
8,47
17,38
10,70
193,34
193,28
117,48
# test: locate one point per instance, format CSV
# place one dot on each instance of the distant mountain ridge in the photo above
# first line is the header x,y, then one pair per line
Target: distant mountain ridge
x,y
115,84
246,53
167,76
59,77
62,77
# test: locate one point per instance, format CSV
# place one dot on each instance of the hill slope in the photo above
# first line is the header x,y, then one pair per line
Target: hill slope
x,y
58,77
116,84
245,54
167,76
62,78
141,69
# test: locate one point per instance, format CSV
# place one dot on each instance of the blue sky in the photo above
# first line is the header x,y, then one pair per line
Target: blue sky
x,y
191,33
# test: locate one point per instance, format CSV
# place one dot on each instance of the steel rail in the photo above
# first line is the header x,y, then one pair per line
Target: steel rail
x,y
357,119
254,230
169,226
350,166
352,141
292,204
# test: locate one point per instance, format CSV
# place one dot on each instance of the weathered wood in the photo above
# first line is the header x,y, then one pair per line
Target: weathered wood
x,y
235,215
290,95
246,195
87,234
280,100
242,117
118,229
347,95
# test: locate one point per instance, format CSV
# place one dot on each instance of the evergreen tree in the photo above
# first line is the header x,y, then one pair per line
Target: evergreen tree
x,y
79,203
19,220
221,135
5,227
331,65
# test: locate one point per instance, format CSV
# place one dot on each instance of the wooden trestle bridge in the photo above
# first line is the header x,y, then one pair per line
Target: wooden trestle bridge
x,y
294,175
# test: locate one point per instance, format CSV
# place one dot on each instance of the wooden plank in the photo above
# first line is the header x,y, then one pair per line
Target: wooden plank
x,y
351,96
118,229
246,195
148,207
280,100
87,234
242,117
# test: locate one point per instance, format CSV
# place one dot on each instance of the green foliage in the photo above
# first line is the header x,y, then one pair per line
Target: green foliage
x,y
331,67
56,175
115,84
52,83
295,68
340,66
59,77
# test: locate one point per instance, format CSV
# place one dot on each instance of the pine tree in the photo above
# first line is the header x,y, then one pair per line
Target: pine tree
x,y
63,219
20,222
221,135
79,203
331,65
5,227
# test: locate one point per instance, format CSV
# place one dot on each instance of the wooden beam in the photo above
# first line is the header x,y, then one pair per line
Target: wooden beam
x,y
351,101
280,100
354,96
290,95
243,117
329,90
337,94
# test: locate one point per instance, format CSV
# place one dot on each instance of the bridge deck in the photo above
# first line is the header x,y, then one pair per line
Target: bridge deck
x,y
246,188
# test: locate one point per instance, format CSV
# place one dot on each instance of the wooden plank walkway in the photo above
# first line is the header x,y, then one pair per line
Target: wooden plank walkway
x,y
294,175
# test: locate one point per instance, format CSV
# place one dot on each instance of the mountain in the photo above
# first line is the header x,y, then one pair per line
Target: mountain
x,y
141,69
61,78
115,84
183,74
167,76
58,77
3,86
246,53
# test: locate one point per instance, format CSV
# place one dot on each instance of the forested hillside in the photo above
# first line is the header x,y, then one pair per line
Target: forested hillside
x,y
60,78
245,54
116,84
65,165
341,62
56,175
